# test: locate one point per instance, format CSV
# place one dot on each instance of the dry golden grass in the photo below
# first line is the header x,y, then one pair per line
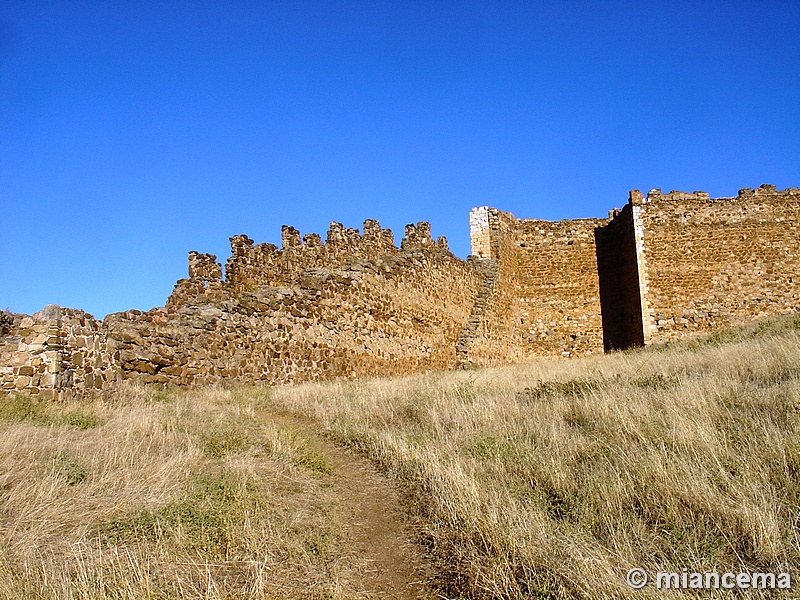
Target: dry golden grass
x,y
177,495
552,480
547,480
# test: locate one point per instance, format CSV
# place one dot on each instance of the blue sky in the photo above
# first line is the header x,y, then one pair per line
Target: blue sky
x,y
134,132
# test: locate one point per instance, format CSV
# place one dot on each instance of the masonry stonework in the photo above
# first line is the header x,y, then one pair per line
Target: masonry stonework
x,y
721,262
664,267
619,277
352,306
56,353
545,300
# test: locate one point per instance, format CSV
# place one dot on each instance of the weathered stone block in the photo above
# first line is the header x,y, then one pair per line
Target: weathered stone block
x,y
52,312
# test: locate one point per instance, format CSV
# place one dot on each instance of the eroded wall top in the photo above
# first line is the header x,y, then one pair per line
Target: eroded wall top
x,y
352,306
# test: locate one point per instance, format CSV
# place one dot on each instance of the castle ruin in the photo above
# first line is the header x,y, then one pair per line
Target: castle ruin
x,y
664,267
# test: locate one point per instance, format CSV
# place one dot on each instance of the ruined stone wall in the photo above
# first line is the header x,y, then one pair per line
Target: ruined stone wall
x,y
664,267
354,305
546,299
56,354
351,307
398,313
490,337
618,259
715,263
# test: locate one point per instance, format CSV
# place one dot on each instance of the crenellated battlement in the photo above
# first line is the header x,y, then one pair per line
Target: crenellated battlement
x,y
419,236
768,190
763,191
672,196
204,266
266,264
252,265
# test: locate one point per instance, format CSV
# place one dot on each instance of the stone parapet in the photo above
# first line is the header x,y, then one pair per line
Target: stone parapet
x,y
353,306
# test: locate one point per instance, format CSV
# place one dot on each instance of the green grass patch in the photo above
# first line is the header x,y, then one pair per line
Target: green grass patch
x,y
229,436
313,461
489,447
67,468
763,329
655,381
571,388
161,394
79,419
209,519
19,408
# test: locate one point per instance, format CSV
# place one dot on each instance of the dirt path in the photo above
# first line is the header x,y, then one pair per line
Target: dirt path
x,y
396,568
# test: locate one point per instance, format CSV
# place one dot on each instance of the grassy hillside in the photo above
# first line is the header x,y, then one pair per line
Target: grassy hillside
x,y
552,480
176,495
547,480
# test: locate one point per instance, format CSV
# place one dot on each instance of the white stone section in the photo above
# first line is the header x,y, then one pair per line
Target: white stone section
x,y
648,317
479,233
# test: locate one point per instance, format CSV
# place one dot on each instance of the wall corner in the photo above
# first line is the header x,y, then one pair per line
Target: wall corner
x,y
648,320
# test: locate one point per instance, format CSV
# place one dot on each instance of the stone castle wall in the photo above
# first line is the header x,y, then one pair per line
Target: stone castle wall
x,y
354,306
619,278
545,300
559,311
721,262
492,339
665,266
